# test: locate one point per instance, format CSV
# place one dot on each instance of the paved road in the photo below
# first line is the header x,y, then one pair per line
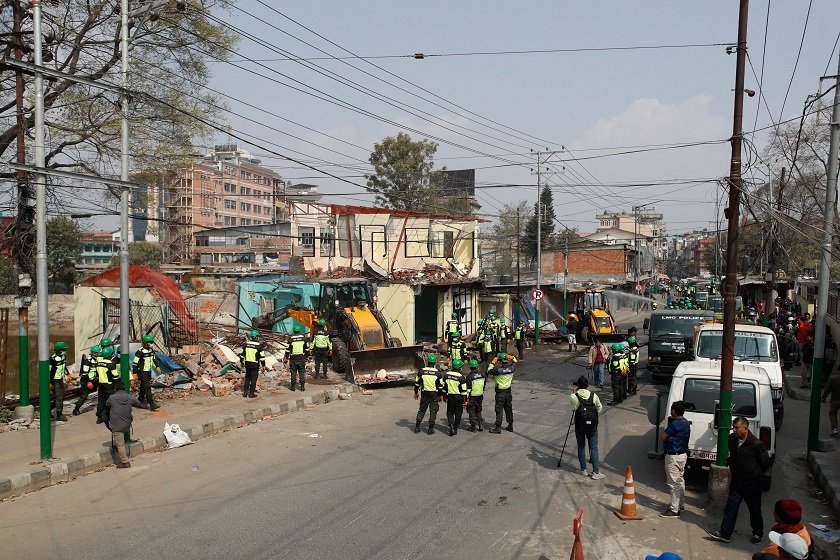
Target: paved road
x,y
351,480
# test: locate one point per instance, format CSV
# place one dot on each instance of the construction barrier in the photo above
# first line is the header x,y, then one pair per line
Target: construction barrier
x,y
627,512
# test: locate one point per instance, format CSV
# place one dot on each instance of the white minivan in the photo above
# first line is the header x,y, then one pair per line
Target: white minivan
x,y
697,384
754,345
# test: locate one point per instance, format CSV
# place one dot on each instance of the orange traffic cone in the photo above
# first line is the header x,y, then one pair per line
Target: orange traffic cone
x,y
628,500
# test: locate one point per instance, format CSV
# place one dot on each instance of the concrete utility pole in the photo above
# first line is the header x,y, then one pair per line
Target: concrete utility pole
x,y
771,258
825,269
539,249
518,278
41,242
125,311
719,472
565,276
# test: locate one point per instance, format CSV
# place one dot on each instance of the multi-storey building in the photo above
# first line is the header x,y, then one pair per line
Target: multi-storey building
x,y
98,249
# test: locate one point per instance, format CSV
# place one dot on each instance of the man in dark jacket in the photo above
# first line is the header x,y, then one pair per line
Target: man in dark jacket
x,y
118,419
748,460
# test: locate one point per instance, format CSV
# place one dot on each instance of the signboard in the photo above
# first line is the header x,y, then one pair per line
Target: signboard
x,y
537,294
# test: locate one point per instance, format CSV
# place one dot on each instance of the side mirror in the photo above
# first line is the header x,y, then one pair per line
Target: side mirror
x,y
646,324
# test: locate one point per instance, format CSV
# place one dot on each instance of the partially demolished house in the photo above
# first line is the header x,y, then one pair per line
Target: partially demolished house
x,y
425,265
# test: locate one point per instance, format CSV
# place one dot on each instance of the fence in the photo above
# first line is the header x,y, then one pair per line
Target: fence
x,y
809,294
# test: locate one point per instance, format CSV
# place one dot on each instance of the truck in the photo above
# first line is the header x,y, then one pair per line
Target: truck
x,y
671,332
595,319
754,345
697,384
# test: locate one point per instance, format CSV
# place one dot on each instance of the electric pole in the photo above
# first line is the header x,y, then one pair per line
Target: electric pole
x,y
825,268
730,287
565,276
539,250
771,258
518,278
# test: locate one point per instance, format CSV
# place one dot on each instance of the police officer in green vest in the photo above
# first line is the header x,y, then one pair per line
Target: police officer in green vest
x,y
428,387
457,348
618,367
503,368
503,335
106,374
144,363
87,377
633,362
253,358
485,345
519,338
451,328
455,387
321,348
295,357
476,380
58,373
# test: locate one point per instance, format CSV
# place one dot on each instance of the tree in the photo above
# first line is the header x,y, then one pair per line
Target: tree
x,y
503,234
142,252
529,242
168,67
8,276
64,247
404,176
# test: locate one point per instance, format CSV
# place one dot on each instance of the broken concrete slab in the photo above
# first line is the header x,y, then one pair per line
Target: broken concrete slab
x,y
224,355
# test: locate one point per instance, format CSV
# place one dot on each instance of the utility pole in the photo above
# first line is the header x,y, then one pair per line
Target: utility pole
x,y
124,219
771,259
41,242
730,287
539,249
565,276
518,279
825,265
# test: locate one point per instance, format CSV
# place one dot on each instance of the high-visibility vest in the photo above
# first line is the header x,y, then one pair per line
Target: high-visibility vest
x,y
452,326
518,333
504,376
475,383
427,380
252,352
457,350
618,363
105,370
486,341
321,341
633,355
297,346
58,366
454,383
144,360
87,368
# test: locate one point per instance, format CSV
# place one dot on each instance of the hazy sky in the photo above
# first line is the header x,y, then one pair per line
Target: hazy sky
x,y
594,103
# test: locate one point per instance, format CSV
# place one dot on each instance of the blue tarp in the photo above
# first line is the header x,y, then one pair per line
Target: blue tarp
x,y
167,365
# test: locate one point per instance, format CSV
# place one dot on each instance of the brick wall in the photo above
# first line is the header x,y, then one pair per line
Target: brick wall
x,y
582,262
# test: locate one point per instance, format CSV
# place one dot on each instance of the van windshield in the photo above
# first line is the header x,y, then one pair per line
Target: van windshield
x,y
663,327
750,347
700,396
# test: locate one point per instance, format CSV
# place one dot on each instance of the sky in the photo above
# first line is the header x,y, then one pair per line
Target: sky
x,y
489,112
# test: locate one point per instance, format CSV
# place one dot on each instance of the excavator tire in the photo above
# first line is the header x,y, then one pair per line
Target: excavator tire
x,y
340,357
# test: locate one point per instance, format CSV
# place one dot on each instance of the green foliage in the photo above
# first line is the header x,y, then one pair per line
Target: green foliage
x,y
529,241
405,178
64,247
142,252
502,255
8,276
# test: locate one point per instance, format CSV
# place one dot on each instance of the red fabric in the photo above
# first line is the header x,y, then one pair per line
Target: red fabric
x,y
599,356
144,277
806,329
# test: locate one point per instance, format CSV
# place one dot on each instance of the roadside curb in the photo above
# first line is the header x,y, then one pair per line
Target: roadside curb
x,y
65,470
827,476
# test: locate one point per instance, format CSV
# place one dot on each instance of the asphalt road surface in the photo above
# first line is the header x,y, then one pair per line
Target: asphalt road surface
x,y
352,480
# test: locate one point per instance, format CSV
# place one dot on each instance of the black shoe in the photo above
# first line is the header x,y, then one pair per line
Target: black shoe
x,y
99,420
480,428
76,412
417,429
613,403
509,427
154,407
668,514
252,396
451,432
756,538
431,430
495,430
302,387
61,418
293,388
471,429
245,394
717,536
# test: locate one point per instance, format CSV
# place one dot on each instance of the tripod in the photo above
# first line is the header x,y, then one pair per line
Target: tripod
x,y
562,451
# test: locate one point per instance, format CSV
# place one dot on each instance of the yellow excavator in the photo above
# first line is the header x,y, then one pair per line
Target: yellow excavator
x,y
363,348
597,321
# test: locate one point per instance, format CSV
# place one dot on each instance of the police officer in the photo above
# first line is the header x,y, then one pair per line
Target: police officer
x,y
87,377
321,349
428,387
451,328
144,363
485,345
108,343
455,387
457,348
503,367
253,358
571,332
632,362
106,374
295,357
476,380
58,373
519,338
618,368
503,334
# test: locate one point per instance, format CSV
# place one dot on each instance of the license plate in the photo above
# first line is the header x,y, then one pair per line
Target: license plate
x,y
705,455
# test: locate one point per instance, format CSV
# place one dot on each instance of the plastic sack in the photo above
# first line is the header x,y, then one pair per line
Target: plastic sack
x,y
175,436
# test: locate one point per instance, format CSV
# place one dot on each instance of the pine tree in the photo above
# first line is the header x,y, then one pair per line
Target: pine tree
x,y
529,239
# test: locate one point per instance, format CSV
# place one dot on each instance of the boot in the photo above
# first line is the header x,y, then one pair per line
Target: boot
x,y
431,428
480,427
451,431
302,387
417,428
495,430
154,406
245,393
252,395
471,428
509,427
61,418
293,387
76,411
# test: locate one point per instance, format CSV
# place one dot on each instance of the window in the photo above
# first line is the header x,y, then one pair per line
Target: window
x,y
248,207
327,243
462,305
230,204
416,242
306,238
229,221
440,244
700,396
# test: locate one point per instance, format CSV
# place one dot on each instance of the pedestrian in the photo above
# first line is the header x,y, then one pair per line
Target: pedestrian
x,y
295,358
788,516
455,388
804,329
599,355
632,362
321,348
87,377
519,337
58,374
106,374
807,361
571,332
586,406
476,381
452,326
619,367
253,359
502,368
675,438
428,387
457,348
503,334
118,419
790,546
832,387
144,363
485,345
748,460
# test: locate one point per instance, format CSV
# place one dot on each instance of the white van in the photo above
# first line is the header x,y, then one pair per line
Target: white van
x,y
753,345
697,384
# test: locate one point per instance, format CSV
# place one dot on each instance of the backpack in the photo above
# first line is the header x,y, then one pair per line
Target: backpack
x,y
586,415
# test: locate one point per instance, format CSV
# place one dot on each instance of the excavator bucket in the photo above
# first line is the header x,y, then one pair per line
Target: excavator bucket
x,y
610,338
385,365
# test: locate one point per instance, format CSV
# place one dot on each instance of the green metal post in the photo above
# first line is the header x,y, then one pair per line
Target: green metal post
x,y
44,406
23,348
537,324
814,412
724,427
125,375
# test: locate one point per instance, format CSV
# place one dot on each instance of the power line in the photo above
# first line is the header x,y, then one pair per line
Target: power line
x,y
798,53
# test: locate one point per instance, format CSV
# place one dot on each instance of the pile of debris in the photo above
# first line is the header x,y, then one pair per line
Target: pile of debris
x,y
20,424
431,273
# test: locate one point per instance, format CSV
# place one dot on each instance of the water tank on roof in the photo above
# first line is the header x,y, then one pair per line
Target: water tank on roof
x,y
506,279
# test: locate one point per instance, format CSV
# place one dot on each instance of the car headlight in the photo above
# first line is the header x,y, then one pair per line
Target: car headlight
x,y
654,359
